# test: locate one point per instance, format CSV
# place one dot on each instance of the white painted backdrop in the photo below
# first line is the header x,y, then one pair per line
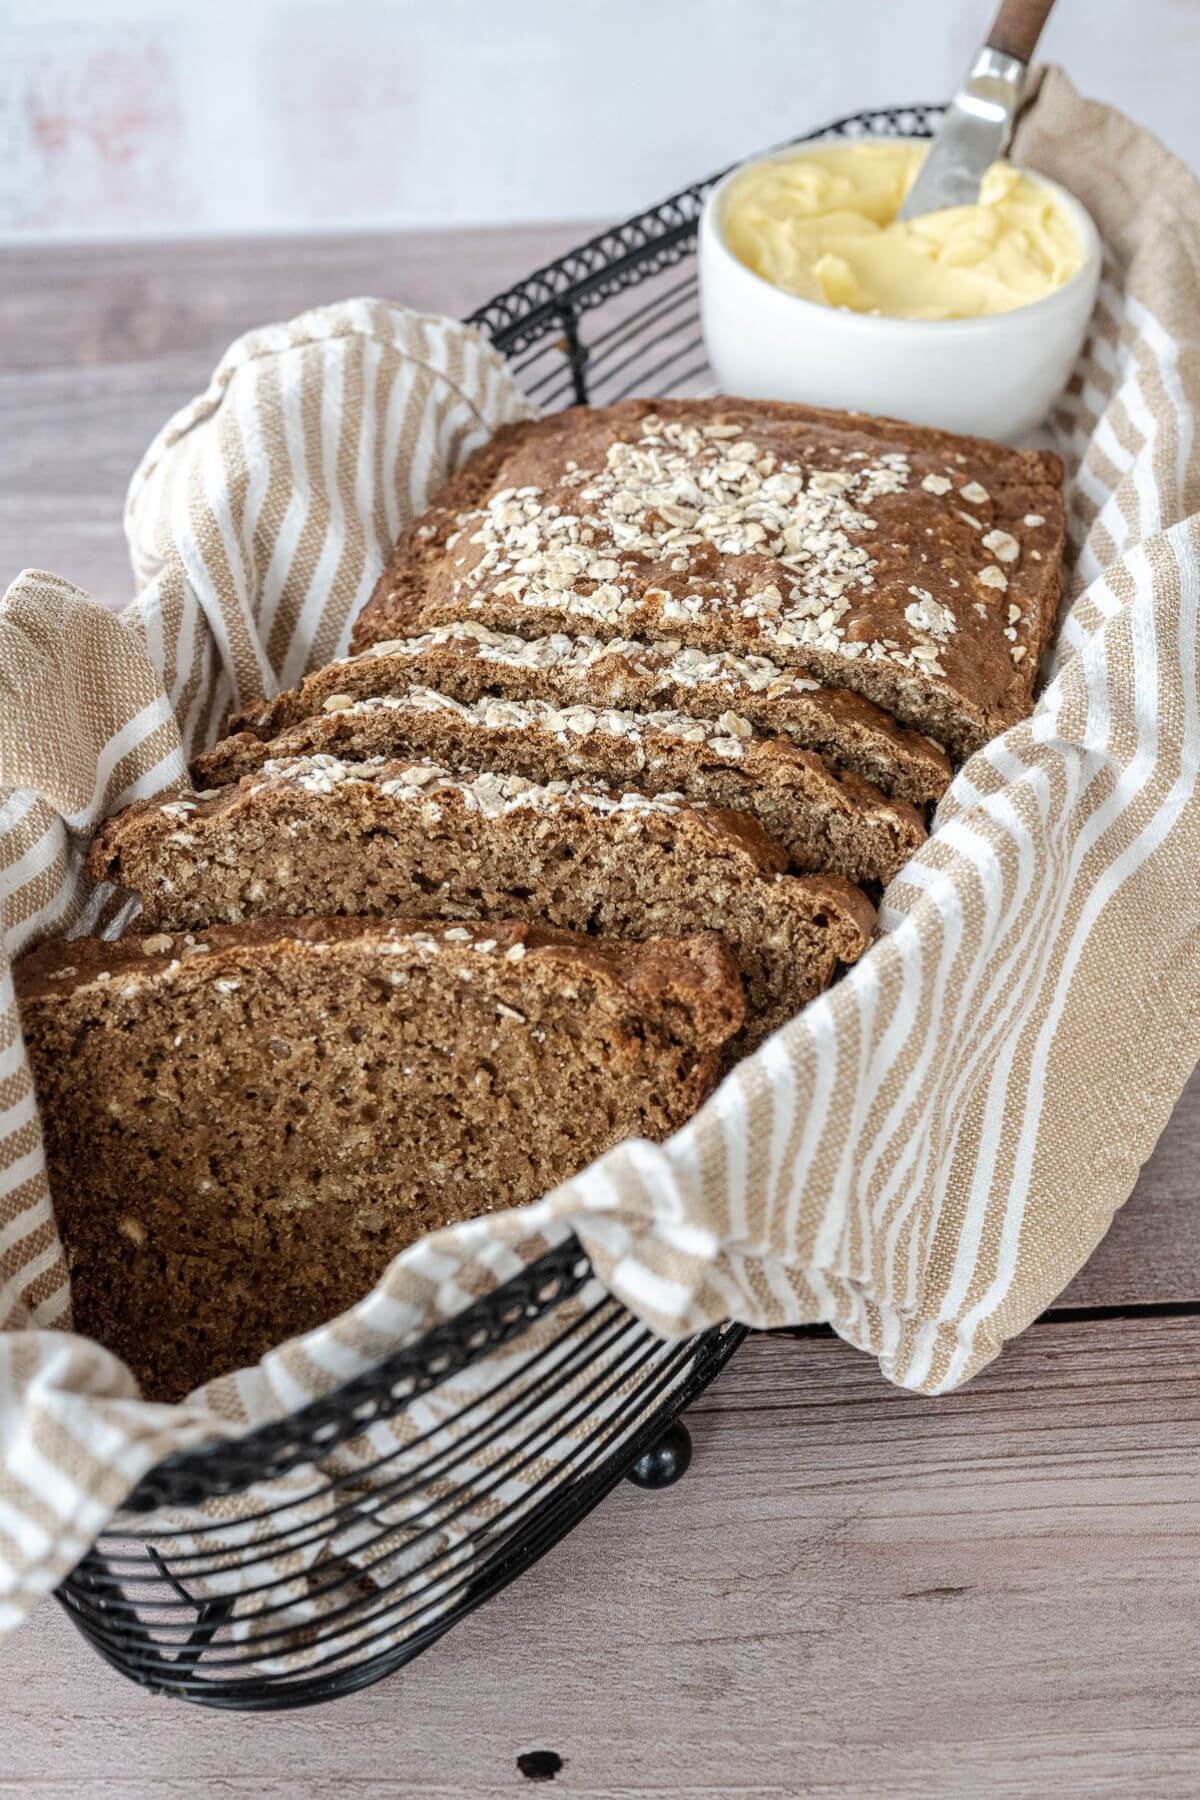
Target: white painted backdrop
x,y
120,117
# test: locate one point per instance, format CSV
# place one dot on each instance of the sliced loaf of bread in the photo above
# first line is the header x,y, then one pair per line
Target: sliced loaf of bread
x,y
243,1126
318,836
470,662
826,823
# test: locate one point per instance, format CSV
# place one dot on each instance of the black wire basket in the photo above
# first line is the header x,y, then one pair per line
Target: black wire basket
x,y
315,1555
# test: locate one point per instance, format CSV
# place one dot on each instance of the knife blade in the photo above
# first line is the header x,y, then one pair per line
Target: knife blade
x,y
978,125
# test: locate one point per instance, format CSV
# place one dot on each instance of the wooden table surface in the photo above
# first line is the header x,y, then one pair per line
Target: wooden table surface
x,y
854,1591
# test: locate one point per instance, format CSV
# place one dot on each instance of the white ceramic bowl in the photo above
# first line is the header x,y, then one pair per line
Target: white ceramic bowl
x,y
993,377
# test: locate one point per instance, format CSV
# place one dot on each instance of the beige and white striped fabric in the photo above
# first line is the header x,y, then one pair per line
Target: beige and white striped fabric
x,y
927,1155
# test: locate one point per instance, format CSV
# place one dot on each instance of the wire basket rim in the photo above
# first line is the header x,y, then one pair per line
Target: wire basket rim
x,y
440,1351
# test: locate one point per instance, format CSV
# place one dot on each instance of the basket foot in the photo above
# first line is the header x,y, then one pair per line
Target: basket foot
x,y
666,1462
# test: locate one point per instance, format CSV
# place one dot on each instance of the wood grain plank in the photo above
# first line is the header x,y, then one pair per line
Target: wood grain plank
x,y
117,303
854,1591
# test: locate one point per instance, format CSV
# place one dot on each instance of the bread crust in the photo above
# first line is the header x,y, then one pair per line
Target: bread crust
x,y
924,572
469,662
698,969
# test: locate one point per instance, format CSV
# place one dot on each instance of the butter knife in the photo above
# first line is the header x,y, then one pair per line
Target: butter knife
x,y
979,119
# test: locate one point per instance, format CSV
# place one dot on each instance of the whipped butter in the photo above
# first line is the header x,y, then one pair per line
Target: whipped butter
x,y
823,224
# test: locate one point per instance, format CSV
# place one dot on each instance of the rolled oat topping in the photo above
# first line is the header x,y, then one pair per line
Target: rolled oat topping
x,y
490,794
674,661
724,737
682,488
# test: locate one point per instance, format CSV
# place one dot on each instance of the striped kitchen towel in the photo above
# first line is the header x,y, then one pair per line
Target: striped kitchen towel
x,y
926,1155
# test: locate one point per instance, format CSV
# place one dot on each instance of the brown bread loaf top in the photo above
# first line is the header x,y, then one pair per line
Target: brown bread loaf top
x,y
244,1125
839,825
318,836
470,662
920,569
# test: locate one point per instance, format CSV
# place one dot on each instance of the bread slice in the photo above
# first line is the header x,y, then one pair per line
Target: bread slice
x,y
319,836
469,662
920,569
244,1126
840,825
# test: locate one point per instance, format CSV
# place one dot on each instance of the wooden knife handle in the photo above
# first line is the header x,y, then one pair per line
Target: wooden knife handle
x,y
1018,26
